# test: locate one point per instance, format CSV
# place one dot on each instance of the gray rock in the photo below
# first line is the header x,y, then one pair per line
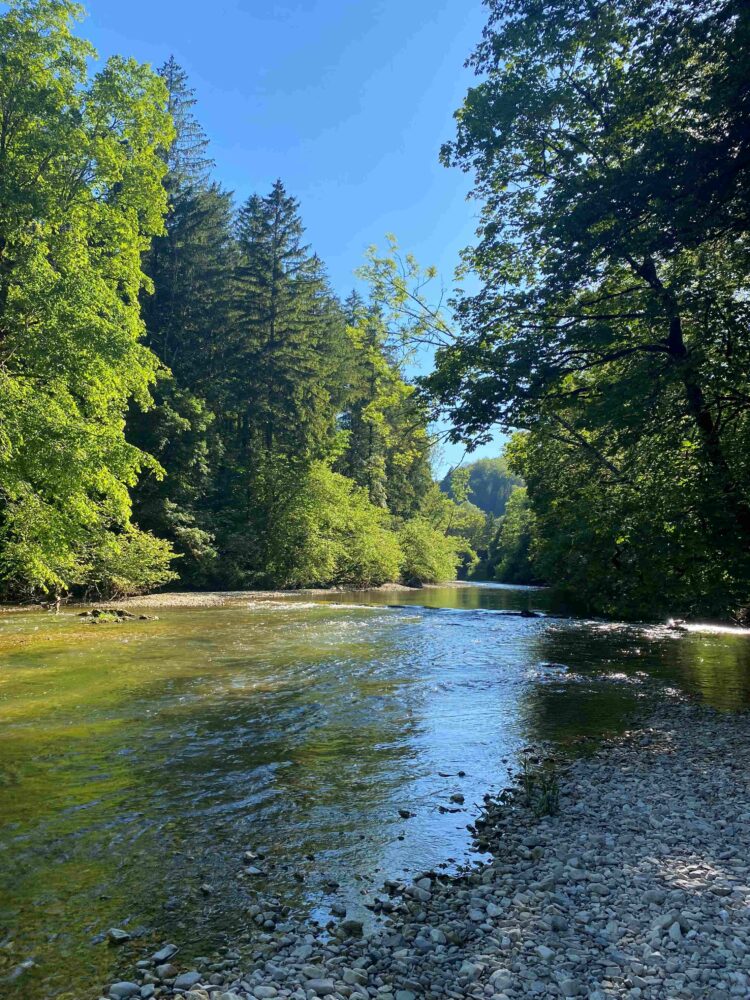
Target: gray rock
x,y
116,935
165,953
353,928
187,980
123,990
321,987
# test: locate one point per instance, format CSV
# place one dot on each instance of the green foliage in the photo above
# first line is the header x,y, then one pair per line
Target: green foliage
x,y
134,562
489,484
387,443
609,146
429,555
168,363
511,551
80,198
187,316
320,530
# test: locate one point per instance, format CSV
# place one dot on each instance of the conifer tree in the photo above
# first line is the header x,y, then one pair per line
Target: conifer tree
x,y
187,320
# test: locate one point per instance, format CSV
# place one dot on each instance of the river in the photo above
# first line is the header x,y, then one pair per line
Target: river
x,y
139,761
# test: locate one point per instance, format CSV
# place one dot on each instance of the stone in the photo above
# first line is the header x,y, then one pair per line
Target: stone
x,y
351,927
187,980
321,987
571,988
165,953
116,935
265,992
123,990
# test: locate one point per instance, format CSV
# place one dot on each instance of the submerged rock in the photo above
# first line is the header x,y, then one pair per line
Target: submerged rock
x,y
115,935
123,990
165,953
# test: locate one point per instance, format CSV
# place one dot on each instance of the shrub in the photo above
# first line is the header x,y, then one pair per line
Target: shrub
x,y
429,556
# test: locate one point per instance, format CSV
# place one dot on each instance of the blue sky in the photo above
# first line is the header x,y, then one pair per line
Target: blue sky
x,y
348,102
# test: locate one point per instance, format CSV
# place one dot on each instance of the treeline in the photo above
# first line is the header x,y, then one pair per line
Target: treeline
x,y
610,142
182,393
487,494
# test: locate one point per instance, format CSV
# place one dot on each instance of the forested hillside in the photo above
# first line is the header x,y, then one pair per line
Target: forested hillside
x,y
184,396
611,154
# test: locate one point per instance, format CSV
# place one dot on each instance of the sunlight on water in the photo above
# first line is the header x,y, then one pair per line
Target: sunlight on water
x,y
138,761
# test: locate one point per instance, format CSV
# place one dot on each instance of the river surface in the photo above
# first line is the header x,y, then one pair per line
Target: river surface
x,y
139,761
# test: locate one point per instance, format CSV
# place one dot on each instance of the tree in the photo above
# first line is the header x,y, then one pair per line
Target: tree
x,y
489,484
284,380
188,322
288,328
330,533
388,445
610,148
511,551
80,199
429,555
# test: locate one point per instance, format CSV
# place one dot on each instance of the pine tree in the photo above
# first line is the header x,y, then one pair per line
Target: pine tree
x,y
288,325
185,156
187,321
286,382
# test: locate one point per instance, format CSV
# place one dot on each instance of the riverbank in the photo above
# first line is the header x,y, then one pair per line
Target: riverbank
x,y
228,598
639,887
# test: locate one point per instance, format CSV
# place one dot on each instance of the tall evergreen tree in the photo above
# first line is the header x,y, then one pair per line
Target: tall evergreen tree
x,y
187,321
288,324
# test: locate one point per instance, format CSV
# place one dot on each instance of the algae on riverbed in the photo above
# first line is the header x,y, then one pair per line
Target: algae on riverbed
x,y
141,761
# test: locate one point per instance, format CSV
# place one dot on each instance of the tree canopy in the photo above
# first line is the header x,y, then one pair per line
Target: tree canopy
x,y
610,149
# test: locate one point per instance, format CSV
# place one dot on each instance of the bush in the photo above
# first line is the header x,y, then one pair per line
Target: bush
x,y
133,562
429,556
330,533
512,548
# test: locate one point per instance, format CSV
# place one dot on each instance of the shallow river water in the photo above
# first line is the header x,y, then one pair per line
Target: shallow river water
x,y
139,761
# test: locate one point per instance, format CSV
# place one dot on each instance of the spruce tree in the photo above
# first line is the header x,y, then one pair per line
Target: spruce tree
x,y
287,327
187,320
286,380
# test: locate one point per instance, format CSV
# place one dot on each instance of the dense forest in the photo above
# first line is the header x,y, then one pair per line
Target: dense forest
x,y
184,395
610,146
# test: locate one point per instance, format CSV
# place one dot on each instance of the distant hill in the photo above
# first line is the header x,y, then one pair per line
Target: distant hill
x,y
490,483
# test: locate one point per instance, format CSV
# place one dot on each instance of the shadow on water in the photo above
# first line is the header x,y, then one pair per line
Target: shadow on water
x,y
138,762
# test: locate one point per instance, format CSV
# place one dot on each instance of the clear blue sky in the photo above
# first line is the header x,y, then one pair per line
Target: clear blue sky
x,y
348,102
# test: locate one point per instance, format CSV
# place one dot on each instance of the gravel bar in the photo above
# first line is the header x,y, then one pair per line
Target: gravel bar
x,y
638,887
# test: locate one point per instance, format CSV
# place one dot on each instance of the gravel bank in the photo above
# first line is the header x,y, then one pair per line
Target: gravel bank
x,y
221,598
639,887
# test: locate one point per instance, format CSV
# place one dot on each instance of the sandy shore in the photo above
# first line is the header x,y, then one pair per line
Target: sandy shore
x,y
639,887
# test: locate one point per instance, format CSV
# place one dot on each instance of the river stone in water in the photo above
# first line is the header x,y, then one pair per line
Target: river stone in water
x,y
187,980
123,990
165,953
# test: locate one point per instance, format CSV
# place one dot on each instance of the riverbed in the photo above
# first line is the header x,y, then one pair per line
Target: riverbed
x,y
139,761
